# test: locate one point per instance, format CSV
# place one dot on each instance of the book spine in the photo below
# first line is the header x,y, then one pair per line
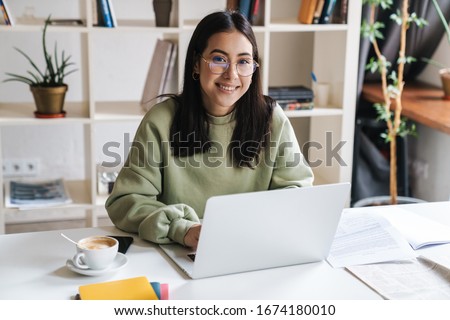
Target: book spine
x,y
306,11
5,13
245,7
326,12
232,5
254,10
318,11
342,9
112,14
104,9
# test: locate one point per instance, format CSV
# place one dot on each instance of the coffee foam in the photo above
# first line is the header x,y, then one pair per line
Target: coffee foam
x,y
97,243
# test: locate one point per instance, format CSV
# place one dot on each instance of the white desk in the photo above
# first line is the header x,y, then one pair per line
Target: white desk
x,y
32,266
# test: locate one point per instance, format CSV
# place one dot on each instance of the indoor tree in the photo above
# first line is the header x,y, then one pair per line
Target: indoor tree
x,y
391,74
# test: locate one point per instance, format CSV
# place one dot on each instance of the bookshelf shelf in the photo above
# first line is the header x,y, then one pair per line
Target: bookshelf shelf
x,y
118,110
113,64
316,112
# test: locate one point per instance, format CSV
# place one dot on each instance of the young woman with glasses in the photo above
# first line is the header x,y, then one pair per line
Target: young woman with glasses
x,y
219,136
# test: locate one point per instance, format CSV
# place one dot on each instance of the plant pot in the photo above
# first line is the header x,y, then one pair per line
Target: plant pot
x,y
162,10
384,201
49,100
445,78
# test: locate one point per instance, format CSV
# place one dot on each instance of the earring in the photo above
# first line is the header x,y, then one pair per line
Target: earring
x,y
195,76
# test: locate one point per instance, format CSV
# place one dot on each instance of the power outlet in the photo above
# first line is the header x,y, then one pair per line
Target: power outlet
x,y
21,167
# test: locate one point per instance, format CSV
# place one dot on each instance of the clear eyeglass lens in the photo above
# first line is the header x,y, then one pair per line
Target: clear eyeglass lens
x,y
243,69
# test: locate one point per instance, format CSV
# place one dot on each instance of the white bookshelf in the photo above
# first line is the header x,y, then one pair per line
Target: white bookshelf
x,y
289,52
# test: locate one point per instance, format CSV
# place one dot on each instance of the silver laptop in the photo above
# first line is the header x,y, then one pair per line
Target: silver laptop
x,y
261,230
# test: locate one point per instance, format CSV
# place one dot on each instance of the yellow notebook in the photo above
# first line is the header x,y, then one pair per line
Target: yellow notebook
x,y
127,289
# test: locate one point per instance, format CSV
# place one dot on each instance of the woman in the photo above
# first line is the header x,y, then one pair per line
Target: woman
x,y
219,136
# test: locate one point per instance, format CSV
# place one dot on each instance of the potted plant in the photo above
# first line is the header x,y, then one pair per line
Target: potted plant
x,y
392,81
47,86
444,71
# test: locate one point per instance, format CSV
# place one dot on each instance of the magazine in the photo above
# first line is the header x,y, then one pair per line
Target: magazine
x,y
31,194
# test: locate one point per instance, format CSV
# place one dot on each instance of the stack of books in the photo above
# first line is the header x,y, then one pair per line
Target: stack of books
x,y
323,11
293,97
251,9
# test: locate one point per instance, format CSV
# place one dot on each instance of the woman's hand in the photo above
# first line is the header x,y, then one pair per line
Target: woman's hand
x,y
192,236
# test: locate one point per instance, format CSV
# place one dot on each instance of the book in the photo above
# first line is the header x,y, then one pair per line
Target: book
x,y
104,14
161,68
232,5
306,11
112,14
138,288
318,11
295,105
161,290
339,14
170,80
6,13
291,92
245,7
328,8
35,194
256,13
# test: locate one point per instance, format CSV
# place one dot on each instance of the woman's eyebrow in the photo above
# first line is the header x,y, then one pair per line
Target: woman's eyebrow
x,y
226,53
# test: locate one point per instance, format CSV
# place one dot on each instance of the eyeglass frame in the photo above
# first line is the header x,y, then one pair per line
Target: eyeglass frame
x,y
255,66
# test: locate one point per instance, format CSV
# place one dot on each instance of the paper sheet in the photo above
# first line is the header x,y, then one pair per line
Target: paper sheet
x,y
363,237
417,230
413,279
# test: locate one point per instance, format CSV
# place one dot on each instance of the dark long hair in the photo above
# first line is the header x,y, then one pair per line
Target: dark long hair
x,y
253,111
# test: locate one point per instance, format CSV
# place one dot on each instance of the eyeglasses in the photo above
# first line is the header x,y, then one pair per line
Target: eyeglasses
x,y
244,67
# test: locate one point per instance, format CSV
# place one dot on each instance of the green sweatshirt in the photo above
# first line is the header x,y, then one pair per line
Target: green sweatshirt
x,y
160,196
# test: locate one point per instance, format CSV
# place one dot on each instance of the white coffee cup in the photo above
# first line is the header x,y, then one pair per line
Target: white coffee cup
x,y
97,252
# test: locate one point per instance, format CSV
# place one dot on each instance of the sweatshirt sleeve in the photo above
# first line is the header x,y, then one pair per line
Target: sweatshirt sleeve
x,y
290,168
133,205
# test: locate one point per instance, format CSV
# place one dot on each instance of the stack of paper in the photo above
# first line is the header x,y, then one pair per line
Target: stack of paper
x,y
377,245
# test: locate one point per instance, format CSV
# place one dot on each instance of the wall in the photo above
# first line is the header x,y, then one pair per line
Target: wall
x,y
64,154
431,180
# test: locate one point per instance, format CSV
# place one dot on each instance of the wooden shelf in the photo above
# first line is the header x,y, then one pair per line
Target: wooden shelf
x,y
421,103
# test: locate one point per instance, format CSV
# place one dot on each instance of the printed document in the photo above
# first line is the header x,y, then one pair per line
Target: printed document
x,y
364,237
414,279
417,230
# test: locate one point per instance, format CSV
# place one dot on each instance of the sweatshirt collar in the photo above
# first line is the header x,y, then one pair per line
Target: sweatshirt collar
x,y
221,120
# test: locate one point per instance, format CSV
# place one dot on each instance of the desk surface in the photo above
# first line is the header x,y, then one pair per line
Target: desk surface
x,y
32,266
421,103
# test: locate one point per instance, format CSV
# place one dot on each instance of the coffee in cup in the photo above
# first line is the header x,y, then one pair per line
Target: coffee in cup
x,y
96,252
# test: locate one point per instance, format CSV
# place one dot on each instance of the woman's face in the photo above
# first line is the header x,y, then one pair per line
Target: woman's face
x,y
221,91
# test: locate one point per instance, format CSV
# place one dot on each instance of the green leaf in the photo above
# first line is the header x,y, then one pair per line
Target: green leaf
x,y
442,18
396,17
55,68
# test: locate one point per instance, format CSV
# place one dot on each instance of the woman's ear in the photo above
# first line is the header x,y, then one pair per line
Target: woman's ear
x,y
196,67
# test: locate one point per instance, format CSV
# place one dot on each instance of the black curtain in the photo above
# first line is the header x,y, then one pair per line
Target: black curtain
x,y
370,179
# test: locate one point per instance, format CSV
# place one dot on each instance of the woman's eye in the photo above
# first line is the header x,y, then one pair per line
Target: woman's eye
x,y
245,61
218,59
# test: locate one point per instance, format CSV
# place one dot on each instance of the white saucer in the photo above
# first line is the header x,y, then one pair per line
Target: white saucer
x,y
119,262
